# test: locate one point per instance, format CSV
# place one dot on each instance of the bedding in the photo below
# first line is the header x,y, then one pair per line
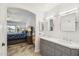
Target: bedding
x,y
16,36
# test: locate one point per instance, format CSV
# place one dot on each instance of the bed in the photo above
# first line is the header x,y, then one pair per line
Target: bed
x,y
13,38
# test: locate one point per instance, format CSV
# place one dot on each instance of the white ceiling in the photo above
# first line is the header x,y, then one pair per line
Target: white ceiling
x,y
41,6
34,7
19,14
16,13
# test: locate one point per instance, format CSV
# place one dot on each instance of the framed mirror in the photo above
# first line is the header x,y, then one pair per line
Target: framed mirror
x,y
41,26
51,25
68,22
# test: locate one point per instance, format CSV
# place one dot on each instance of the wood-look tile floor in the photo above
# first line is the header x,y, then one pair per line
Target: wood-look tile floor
x,y
21,49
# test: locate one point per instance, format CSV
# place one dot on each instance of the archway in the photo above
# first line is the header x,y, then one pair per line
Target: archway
x,y
19,15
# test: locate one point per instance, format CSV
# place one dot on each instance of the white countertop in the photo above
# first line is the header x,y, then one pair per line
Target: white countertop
x,y
72,45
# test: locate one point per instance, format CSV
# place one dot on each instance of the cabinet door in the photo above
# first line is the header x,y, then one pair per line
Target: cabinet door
x,y
58,52
74,52
43,47
52,51
65,54
46,48
64,49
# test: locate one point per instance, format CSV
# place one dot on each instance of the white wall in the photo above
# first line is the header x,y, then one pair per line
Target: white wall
x,y
3,31
57,33
39,17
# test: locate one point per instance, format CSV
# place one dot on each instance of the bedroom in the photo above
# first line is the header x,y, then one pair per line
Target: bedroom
x,y
20,31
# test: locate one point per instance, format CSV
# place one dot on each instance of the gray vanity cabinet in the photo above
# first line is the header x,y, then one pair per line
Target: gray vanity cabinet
x,y
64,50
57,52
48,48
75,52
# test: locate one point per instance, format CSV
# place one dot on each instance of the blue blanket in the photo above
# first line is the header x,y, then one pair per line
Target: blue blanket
x,y
16,36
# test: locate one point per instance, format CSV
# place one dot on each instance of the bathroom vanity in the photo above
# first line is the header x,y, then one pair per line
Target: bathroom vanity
x,y
53,47
61,37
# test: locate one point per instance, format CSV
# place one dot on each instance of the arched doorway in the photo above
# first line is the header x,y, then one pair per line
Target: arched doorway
x,y
17,17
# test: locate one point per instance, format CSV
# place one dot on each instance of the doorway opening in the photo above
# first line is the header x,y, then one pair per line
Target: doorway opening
x,y
21,32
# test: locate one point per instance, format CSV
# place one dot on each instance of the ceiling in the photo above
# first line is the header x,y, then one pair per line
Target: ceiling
x,y
41,6
17,13
34,7
21,14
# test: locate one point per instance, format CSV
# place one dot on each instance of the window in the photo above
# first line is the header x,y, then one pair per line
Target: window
x,y
11,29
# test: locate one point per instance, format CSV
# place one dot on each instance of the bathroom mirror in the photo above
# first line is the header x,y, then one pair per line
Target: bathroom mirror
x,y
68,22
51,24
41,26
